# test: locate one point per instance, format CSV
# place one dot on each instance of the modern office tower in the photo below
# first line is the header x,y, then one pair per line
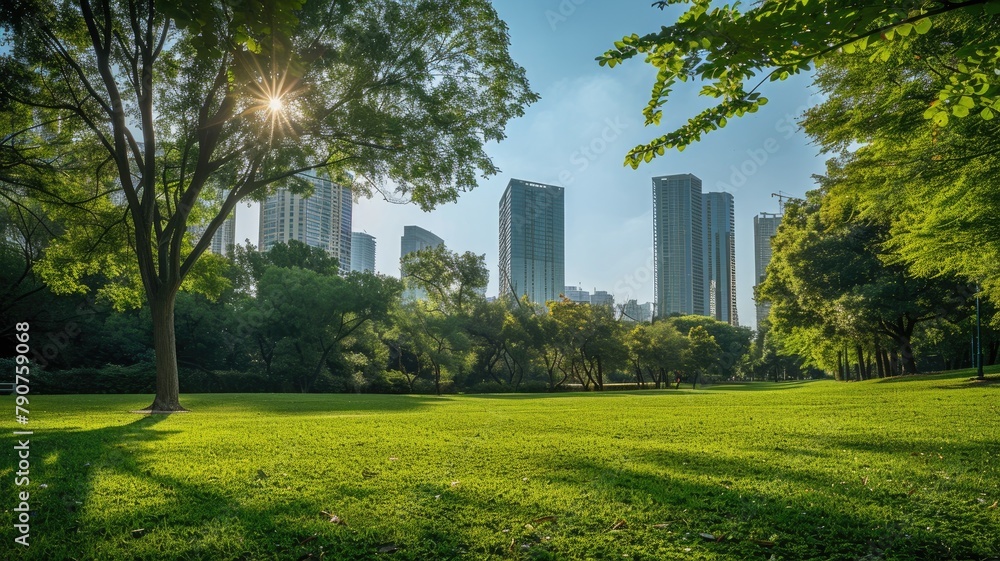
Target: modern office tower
x,y
720,257
601,298
576,294
225,237
415,238
646,312
678,238
321,220
362,252
631,312
765,225
532,242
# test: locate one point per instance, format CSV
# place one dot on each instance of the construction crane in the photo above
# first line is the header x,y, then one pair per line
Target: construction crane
x,y
782,196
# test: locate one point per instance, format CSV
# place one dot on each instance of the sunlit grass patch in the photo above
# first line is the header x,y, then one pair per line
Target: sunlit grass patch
x,y
898,469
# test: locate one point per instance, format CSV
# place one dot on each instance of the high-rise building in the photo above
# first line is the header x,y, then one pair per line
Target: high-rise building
x,y
532,241
720,257
765,225
362,252
576,294
225,237
416,238
321,220
678,238
602,298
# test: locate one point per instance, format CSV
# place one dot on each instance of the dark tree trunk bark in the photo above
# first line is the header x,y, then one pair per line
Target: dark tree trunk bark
x,y
840,367
994,350
879,360
167,399
861,362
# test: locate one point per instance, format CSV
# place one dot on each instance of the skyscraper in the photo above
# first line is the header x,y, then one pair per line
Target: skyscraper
x,y
678,238
416,238
532,241
720,257
362,252
225,237
321,220
765,225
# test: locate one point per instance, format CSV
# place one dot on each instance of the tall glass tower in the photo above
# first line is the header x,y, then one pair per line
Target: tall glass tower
x,y
321,220
720,257
532,241
362,252
765,226
678,240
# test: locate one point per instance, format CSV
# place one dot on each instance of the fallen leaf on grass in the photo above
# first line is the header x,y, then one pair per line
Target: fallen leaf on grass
x,y
994,505
764,543
138,533
393,459
864,481
388,548
455,483
544,519
707,536
661,526
619,525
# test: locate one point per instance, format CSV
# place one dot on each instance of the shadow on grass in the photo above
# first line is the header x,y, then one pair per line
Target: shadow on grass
x,y
756,509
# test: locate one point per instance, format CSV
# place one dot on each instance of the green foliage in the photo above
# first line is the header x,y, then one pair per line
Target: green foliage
x,y
833,283
727,48
942,224
812,470
132,123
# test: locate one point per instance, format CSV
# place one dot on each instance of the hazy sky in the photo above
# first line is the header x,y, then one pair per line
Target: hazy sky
x,y
577,135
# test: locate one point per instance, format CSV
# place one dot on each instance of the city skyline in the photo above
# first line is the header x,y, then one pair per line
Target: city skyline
x,y
580,130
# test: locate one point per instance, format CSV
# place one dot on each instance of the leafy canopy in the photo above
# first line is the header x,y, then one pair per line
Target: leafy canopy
x,y
733,52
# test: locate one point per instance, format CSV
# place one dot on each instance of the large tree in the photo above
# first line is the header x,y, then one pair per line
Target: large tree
x,y
137,119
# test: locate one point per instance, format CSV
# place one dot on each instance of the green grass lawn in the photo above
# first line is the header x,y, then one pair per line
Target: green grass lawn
x,y
894,469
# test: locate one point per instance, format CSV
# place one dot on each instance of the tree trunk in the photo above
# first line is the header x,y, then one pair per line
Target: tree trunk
x,y
862,369
879,360
907,360
167,398
994,350
840,367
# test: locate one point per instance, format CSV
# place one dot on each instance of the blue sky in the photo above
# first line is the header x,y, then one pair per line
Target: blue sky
x,y
577,135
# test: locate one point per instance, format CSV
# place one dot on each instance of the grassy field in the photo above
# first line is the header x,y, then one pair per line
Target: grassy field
x,y
895,469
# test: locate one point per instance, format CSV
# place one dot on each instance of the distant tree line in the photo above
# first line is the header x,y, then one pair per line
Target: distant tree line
x,y
285,320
